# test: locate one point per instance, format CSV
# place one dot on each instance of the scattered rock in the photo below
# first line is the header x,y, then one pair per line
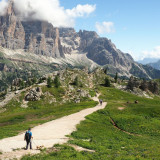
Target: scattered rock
x,y
77,101
121,108
136,102
34,94
84,93
78,148
24,104
17,81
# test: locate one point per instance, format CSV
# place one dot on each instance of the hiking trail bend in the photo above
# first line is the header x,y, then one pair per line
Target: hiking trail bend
x,y
47,134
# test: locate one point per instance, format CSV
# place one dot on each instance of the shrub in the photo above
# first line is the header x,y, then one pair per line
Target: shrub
x,y
76,81
57,82
107,82
49,82
116,77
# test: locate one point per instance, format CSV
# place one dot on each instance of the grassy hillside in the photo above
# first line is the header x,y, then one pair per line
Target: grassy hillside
x,y
123,130
141,122
53,103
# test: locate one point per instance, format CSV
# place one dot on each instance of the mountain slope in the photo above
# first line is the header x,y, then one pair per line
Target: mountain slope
x,y
155,65
41,43
148,60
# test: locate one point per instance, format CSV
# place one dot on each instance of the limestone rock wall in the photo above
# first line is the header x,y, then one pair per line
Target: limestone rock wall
x,y
38,37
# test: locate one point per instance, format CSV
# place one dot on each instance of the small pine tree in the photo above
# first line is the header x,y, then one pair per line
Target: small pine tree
x,y
22,84
34,80
49,82
29,82
6,91
106,70
11,87
40,80
107,82
57,82
76,82
116,77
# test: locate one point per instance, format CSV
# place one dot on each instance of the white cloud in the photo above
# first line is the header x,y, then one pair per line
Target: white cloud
x,y
52,11
155,53
105,27
3,6
81,10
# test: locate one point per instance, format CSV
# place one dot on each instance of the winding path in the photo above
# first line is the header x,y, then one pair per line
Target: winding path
x,y
47,134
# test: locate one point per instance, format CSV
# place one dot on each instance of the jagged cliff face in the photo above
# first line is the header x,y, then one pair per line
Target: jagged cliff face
x,y
100,50
103,52
12,33
33,36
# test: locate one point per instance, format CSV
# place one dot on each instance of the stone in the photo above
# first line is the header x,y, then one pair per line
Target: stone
x,y
34,94
77,101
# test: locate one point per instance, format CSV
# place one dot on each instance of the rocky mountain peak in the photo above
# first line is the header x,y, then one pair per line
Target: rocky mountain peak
x,y
88,34
37,37
10,8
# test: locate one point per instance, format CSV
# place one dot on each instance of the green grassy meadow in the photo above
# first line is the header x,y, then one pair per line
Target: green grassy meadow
x,y
16,119
98,133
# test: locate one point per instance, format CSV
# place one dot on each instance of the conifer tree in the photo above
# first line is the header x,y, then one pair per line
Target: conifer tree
x,y
49,82
107,82
76,81
116,77
57,82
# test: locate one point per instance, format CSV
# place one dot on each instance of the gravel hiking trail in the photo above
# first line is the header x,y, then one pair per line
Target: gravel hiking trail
x,y
48,134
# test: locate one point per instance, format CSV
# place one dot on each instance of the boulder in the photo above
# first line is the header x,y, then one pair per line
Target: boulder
x,y
34,94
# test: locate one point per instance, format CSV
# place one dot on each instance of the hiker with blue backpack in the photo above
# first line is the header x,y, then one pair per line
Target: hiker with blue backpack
x,y
27,138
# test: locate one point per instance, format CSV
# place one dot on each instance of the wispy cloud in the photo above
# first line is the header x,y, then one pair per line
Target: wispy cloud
x,y
155,53
3,6
81,10
49,10
105,27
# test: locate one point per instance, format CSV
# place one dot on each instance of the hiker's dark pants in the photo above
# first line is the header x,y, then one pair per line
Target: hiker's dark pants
x,y
29,142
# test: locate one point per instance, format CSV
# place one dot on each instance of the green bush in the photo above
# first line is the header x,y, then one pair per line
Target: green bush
x,y
56,82
49,82
107,82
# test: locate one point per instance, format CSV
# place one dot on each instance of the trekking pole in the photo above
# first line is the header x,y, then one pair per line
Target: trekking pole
x,y
34,143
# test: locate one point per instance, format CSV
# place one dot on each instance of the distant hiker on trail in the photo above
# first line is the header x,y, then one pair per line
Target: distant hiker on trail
x,y
28,137
100,101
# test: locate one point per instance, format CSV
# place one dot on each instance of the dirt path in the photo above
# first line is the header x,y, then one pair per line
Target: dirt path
x,y
8,97
46,134
12,95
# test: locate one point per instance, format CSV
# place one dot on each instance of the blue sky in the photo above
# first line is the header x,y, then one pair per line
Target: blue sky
x,y
136,23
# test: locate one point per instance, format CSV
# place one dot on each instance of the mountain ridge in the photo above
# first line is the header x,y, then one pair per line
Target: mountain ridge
x,y
46,41
155,65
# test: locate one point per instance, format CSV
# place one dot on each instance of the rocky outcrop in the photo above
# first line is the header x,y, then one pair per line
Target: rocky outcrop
x,y
103,51
34,94
37,37
42,38
16,82
100,50
12,33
